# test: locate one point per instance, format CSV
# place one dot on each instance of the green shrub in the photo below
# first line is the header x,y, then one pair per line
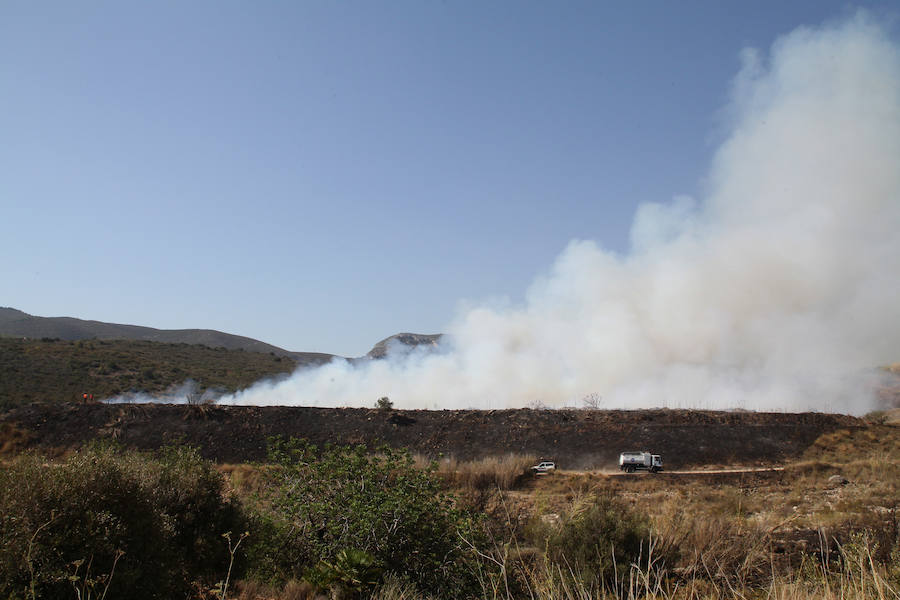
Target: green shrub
x,y
595,542
352,572
344,514
159,521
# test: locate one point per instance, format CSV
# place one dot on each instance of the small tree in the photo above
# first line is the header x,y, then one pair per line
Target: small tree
x,y
384,403
592,401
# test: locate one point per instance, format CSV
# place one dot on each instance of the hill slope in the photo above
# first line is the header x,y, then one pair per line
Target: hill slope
x,y
57,371
57,359
575,439
15,323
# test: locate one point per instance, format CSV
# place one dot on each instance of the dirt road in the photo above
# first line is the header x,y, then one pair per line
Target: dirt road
x,y
740,470
695,472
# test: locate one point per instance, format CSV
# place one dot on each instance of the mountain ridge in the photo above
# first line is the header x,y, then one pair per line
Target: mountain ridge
x,y
17,323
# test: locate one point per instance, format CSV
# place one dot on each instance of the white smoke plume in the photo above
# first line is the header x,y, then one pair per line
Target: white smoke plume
x,y
186,392
775,291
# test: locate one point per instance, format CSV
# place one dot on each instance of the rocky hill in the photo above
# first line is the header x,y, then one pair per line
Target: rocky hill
x,y
404,342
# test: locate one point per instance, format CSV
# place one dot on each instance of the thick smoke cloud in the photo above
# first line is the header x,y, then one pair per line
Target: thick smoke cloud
x,y
775,291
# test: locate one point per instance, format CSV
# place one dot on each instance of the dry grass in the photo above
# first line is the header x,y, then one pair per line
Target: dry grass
x,y
492,473
391,589
774,537
845,445
12,440
292,590
758,536
868,459
244,479
856,576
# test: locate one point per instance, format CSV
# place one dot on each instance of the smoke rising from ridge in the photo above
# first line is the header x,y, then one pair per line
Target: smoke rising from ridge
x,y
774,291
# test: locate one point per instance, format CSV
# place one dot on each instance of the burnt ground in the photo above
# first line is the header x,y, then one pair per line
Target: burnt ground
x,y
576,439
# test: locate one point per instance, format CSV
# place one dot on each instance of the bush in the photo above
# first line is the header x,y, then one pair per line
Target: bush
x,y
344,514
595,542
158,522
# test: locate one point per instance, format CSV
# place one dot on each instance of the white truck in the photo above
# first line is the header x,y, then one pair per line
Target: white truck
x,y
545,466
640,461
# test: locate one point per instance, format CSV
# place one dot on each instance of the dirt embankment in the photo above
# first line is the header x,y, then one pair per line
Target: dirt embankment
x,y
575,439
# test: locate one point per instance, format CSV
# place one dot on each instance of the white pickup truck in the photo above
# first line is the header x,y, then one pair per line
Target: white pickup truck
x,y
640,461
544,467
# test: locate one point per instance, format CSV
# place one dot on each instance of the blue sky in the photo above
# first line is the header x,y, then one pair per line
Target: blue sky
x,y
320,175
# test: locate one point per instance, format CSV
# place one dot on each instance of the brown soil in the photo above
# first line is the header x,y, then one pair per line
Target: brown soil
x,y
574,439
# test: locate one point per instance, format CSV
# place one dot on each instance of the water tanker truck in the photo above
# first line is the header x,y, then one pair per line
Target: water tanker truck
x,y
640,461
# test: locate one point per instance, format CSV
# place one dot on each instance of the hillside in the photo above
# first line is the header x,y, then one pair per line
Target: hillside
x,y
61,371
19,324
15,323
575,439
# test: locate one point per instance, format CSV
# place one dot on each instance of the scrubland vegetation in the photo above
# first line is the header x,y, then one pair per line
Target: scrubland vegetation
x,y
52,370
107,522
341,522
